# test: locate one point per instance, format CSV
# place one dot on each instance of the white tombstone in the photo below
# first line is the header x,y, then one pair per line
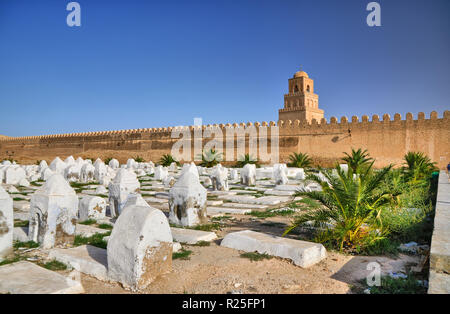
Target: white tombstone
x,y
248,174
344,167
58,166
100,171
140,172
72,172
34,177
79,161
101,190
97,161
161,173
69,161
91,207
24,182
6,224
14,174
234,175
46,173
123,184
114,163
187,201
190,168
300,174
219,178
131,163
169,181
279,174
135,199
42,165
53,213
173,167
207,182
140,247
150,170
87,173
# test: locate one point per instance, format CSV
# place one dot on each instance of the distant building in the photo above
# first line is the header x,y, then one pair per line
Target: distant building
x,y
301,103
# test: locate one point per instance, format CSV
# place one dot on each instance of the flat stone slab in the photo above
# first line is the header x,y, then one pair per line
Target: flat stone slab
x,y
214,203
222,192
87,259
87,231
265,200
151,199
21,215
440,241
439,283
28,278
302,253
191,236
249,206
279,192
20,234
287,187
21,205
244,191
217,211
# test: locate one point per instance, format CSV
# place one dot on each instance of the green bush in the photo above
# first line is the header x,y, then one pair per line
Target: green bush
x,y
246,159
351,205
167,159
300,160
211,158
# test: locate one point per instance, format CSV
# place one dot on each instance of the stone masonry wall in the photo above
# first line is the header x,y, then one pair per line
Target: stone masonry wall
x,y
386,139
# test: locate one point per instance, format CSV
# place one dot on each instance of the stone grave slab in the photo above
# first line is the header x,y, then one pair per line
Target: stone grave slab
x,y
191,236
302,253
28,278
87,259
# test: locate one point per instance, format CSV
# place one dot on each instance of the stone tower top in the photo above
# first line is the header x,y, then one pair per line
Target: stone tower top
x,y
301,103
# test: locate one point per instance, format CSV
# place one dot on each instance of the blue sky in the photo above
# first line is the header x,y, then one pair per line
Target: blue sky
x,y
142,64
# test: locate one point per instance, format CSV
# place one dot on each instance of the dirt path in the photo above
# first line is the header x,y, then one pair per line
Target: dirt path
x,y
216,269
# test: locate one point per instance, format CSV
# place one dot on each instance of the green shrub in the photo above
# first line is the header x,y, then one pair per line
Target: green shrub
x,y
254,256
55,265
182,254
139,159
94,240
167,159
28,244
348,217
211,158
246,159
88,222
391,285
300,160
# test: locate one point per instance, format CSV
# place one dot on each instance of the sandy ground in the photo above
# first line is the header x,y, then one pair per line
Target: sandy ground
x,y
216,269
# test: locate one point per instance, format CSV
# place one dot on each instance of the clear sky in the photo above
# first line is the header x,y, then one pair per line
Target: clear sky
x,y
142,64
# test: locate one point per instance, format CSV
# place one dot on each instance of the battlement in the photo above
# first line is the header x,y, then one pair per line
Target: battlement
x,y
288,124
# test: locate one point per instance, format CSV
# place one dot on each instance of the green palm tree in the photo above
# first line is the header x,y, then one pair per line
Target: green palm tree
x,y
358,160
350,215
139,159
167,159
211,158
246,159
300,160
418,166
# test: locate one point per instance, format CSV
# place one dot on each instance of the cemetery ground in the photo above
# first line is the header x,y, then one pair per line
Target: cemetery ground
x,y
201,265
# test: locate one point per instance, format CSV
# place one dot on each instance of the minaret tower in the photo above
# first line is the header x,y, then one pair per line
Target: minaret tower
x,y
301,103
